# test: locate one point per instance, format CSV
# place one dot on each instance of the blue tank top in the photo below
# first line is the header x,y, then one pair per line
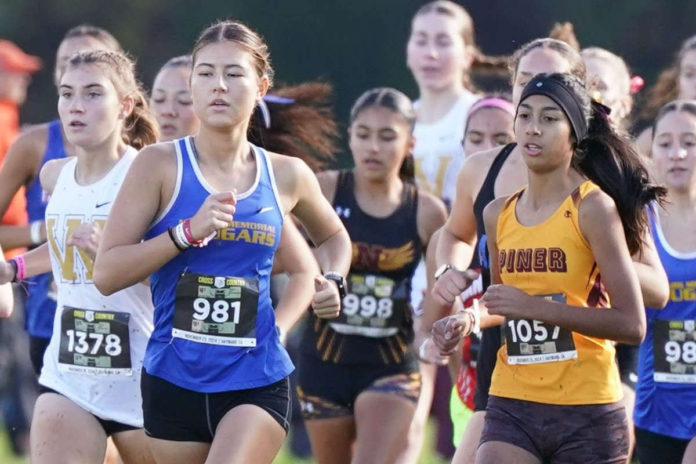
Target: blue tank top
x,y
214,324
40,305
666,389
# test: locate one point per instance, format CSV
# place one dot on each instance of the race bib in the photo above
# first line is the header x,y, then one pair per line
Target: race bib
x,y
94,342
374,307
674,350
533,342
216,310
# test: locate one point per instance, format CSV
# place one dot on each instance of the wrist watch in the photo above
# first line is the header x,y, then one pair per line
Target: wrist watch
x,y
441,270
340,282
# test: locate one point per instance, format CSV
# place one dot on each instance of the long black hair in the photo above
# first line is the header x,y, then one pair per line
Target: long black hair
x,y
609,160
399,103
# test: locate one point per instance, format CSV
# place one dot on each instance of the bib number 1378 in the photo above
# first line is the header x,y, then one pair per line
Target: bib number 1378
x,y
94,342
79,342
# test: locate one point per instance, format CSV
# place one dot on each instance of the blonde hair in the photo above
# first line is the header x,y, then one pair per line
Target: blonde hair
x,y
577,66
565,32
615,61
97,33
140,126
666,89
481,62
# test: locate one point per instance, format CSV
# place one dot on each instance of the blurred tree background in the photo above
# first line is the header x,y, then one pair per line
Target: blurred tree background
x,y
354,45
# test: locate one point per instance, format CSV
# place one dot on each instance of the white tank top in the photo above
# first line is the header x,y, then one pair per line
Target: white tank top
x,y
438,156
439,153
98,343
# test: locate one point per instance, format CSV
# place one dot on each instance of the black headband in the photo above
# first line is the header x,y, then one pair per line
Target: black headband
x,y
557,91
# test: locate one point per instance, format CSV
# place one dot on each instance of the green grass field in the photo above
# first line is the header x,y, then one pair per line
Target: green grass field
x,y
6,456
427,457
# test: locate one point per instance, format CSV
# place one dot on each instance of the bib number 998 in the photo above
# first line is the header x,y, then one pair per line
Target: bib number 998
x,y
367,306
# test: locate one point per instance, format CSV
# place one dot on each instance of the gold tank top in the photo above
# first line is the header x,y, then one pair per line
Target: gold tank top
x,y
538,361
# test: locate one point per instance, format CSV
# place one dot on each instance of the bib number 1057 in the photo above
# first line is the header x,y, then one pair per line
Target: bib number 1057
x,y
218,311
530,341
522,331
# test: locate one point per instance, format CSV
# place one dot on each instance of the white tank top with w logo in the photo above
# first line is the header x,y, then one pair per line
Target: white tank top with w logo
x,y
98,343
438,156
438,152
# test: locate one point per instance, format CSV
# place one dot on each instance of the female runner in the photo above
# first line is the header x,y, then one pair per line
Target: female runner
x,y
665,412
25,158
488,125
358,379
210,209
441,52
483,178
172,106
555,389
91,373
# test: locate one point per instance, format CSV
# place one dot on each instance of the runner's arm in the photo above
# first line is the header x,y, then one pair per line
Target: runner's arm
x,y
652,276
458,237
296,259
20,166
123,259
431,217
325,229
38,260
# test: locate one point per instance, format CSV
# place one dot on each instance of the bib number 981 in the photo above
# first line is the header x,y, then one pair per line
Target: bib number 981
x,y
219,311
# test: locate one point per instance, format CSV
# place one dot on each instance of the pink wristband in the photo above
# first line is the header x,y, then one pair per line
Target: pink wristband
x,y
21,268
186,226
187,232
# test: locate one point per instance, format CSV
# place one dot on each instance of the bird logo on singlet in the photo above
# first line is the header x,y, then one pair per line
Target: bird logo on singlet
x,y
370,256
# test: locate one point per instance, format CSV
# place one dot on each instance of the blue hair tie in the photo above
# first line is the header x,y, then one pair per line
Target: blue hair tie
x,y
279,100
263,107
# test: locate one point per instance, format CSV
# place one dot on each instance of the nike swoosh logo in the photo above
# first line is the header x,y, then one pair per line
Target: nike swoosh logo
x,y
99,205
264,209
